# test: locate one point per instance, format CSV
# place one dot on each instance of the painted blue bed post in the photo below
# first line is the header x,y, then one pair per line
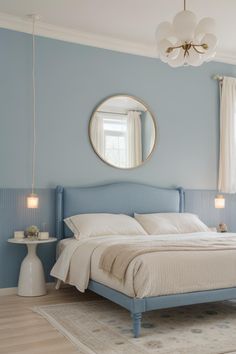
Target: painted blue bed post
x,y
137,319
59,212
137,308
181,199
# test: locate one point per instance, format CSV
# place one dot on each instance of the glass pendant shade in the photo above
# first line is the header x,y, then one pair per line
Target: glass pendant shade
x,y
164,30
178,61
184,25
32,201
186,42
219,201
206,25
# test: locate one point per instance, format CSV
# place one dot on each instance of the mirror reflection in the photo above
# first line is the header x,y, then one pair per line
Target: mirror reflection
x,y
122,131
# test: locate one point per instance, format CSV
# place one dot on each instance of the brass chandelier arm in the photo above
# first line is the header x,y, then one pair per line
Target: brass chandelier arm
x,y
198,51
170,49
187,46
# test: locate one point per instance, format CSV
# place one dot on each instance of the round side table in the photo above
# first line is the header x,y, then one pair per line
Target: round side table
x,y
31,279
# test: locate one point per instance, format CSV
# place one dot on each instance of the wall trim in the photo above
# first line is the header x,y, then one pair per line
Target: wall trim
x,y
23,24
13,291
75,36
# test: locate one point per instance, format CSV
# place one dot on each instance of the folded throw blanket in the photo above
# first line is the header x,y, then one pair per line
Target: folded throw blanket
x,y
116,258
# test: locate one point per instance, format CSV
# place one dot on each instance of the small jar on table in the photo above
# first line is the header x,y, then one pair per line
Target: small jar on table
x,y
31,279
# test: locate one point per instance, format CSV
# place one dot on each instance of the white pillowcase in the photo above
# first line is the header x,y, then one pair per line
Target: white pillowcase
x,y
171,223
86,225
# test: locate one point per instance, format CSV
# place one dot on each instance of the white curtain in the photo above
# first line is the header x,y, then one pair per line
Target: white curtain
x,y
134,139
97,134
227,163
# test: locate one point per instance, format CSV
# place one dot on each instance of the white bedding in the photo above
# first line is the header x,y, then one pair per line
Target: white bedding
x,y
149,274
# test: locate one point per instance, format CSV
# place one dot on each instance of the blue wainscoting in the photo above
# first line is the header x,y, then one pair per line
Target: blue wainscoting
x,y
15,216
201,202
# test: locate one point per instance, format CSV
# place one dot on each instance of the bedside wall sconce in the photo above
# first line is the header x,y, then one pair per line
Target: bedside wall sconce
x,y
219,201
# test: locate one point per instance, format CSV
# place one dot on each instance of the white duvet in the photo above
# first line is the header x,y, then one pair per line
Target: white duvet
x,y
151,274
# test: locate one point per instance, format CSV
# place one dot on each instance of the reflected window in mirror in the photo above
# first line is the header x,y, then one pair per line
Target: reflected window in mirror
x,y
123,132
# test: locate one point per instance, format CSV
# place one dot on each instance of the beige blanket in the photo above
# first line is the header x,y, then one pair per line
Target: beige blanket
x,y
116,258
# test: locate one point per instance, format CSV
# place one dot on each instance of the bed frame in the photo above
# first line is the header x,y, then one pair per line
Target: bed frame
x,y
127,198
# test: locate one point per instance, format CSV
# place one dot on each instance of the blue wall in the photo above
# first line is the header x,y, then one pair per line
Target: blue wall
x,y
71,80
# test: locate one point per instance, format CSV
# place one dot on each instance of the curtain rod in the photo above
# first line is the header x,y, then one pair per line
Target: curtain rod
x,y
121,113
118,113
218,77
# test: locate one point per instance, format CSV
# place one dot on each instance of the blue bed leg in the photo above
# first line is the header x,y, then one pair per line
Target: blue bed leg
x,y
136,323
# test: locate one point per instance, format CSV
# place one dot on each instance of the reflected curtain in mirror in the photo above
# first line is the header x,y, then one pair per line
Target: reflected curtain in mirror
x,y
134,139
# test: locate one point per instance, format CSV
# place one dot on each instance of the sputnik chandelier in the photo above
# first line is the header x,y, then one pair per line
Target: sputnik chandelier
x,y
186,42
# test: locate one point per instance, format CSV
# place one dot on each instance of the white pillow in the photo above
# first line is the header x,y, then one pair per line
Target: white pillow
x,y
171,223
86,225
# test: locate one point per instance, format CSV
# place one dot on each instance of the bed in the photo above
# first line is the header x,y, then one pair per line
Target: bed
x,y
127,198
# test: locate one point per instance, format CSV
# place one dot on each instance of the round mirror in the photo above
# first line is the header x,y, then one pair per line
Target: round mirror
x,y
122,131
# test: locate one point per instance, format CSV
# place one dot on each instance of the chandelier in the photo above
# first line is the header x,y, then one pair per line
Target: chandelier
x,y
186,42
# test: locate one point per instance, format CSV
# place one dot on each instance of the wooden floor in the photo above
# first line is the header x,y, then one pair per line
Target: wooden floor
x,y
23,331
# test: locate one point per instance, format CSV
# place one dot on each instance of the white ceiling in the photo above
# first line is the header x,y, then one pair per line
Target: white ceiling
x,y
123,25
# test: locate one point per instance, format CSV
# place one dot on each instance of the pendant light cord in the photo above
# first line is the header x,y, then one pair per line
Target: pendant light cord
x,y
184,5
34,106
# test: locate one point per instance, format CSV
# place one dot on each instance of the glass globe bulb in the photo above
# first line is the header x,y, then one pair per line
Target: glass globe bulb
x,y
206,25
194,58
184,24
211,41
178,61
163,58
163,45
164,30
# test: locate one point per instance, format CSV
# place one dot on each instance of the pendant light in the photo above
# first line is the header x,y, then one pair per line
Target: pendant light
x,y
33,199
186,42
219,201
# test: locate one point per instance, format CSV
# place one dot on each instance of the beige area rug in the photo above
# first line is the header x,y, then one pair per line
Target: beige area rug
x,y
102,327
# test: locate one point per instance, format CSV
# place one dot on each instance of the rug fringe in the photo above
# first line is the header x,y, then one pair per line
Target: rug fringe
x,y
63,331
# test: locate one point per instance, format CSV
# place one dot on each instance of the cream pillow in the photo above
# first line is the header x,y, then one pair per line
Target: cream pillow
x,y
86,225
171,223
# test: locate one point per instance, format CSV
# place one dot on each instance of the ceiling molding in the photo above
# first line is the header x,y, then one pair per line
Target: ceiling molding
x,y
80,37
225,57
75,36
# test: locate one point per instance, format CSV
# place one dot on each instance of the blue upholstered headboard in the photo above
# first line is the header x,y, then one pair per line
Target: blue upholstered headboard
x,y
121,198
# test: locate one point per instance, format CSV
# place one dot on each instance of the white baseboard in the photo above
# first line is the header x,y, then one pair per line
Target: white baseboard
x,y
13,291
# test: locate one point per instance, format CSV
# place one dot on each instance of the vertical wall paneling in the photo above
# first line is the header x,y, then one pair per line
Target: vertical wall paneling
x,y
15,216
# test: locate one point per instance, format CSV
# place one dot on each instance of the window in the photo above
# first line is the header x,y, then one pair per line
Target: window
x,y
115,139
